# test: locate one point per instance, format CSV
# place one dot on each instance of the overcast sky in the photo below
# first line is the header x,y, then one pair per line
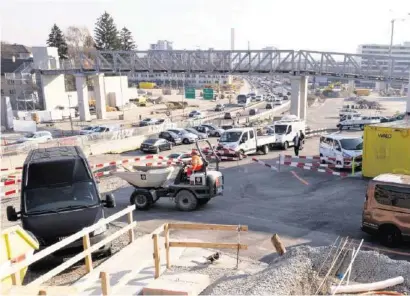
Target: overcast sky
x,y
293,24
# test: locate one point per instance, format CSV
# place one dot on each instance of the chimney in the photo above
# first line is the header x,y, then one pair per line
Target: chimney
x,y
13,58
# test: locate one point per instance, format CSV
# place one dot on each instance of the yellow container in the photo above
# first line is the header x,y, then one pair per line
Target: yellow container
x,y
386,149
147,85
362,91
15,246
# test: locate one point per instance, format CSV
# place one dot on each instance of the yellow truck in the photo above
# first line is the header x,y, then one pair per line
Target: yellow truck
x,y
147,85
362,91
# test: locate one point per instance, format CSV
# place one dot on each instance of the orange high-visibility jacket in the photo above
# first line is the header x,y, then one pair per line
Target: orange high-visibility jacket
x,y
196,162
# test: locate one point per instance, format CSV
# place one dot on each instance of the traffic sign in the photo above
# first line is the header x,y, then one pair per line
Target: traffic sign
x,y
208,94
189,93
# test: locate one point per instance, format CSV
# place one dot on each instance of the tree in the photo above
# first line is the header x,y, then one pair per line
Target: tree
x,y
78,40
126,41
106,33
56,39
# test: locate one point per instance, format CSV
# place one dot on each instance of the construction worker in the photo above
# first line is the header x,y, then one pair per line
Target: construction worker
x,y
196,163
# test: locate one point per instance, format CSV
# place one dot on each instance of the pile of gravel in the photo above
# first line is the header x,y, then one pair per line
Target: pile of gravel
x,y
296,273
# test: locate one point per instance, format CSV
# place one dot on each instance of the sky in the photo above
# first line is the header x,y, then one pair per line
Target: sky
x,y
338,26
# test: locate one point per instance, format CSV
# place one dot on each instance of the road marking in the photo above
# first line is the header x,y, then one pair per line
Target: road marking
x,y
299,178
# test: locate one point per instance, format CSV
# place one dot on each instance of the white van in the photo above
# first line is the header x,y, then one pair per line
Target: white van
x,y
341,149
286,129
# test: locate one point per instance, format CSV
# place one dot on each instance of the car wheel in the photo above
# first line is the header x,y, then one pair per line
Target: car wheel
x,y
185,141
265,149
217,134
285,146
186,201
157,150
390,236
141,200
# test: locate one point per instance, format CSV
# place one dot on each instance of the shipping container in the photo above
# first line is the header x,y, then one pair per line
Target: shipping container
x,y
147,85
386,149
362,91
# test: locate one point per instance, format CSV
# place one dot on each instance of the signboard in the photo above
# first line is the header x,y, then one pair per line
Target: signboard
x,y
208,94
189,93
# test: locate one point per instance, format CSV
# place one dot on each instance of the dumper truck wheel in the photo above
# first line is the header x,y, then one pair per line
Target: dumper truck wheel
x,y
141,200
186,201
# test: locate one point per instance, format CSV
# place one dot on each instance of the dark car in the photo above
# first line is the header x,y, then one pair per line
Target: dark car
x,y
253,112
228,115
155,145
285,98
59,197
147,122
171,137
220,107
269,106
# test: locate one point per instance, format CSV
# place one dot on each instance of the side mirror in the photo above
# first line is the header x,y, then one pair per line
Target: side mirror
x,y
110,201
11,214
339,149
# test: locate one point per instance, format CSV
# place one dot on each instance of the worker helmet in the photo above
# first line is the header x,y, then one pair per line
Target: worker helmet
x,y
194,152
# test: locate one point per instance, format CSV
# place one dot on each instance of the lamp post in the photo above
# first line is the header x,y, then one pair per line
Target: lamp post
x,y
122,97
69,110
393,21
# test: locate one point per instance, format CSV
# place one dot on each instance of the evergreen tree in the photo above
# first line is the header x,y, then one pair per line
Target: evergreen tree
x,y
56,39
106,33
126,41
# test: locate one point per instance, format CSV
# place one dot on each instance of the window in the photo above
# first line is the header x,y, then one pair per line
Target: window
x,y
392,196
12,91
245,136
251,134
2,92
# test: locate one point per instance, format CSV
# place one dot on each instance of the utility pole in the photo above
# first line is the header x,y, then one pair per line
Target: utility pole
x,y
71,117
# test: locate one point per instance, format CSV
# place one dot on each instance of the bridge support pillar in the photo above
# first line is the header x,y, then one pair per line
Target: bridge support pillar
x,y
99,93
298,98
381,85
408,101
351,86
82,94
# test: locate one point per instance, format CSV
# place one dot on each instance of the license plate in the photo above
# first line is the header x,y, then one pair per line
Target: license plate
x,y
144,149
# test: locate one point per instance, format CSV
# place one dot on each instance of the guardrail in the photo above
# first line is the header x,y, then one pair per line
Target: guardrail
x,y
192,226
269,113
14,269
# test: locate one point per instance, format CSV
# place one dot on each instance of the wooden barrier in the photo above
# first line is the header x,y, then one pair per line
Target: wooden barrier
x,y
88,249
191,226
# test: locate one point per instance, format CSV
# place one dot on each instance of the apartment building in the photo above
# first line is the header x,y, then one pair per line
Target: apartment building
x,y
161,45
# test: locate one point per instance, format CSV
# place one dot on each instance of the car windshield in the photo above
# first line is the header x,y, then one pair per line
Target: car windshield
x,y
280,129
352,144
56,198
191,130
88,128
174,155
31,135
147,119
229,137
150,141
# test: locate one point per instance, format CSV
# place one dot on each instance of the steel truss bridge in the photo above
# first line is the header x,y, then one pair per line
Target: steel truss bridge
x,y
302,62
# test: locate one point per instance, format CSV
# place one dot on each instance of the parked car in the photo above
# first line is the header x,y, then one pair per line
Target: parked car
x,y
184,157
202,129
155,145
171,137
37,137
220,107
186,136
229,126
148,121
214,131
285,98
253,111
87,130
259,98
195,132
196,114
269,106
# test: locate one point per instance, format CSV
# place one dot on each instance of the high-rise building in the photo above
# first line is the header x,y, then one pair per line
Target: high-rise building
x,y
161,45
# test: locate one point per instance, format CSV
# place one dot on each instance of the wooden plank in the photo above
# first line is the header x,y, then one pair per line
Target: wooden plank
x,y
88,258
105,283
79,256
131,231
40,255
194,226
156,256
207,245
166,234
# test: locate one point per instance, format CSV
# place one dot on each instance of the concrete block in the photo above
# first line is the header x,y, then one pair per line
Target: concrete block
x,y
178,284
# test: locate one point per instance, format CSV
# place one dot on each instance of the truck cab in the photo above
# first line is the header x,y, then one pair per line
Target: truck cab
x,y
286,129
239,139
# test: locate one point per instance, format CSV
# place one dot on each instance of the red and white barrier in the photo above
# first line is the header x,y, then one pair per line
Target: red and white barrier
x,y
125,161
10,169
315,158
315,164
10,182
272,167
10,192
316,167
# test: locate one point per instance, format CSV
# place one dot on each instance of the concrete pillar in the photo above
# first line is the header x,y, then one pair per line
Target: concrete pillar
x,y
295,95
351,86
381,86
99,93
408,100
304,81
82,94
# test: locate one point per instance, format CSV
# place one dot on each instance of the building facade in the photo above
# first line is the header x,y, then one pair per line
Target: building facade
x,y
161,45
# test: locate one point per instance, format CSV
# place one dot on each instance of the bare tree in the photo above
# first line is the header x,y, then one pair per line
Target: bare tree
x,y
78,40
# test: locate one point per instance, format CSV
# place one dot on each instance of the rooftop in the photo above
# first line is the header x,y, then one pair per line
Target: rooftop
x,y
9,66
393,178
395,124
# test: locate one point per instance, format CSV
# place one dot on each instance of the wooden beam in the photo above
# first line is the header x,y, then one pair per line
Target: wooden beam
x,y
166,234
207,245
157,264
105,283
131,236
194,226
88,258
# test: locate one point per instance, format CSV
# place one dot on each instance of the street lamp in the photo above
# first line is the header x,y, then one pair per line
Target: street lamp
x,y
122,97
393,21
69,110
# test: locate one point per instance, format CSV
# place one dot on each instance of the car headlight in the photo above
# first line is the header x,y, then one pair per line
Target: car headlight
x,y
345,155
100,230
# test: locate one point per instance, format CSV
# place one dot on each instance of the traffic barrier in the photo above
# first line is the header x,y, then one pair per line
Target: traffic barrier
x,y
272,167
10,192
314,158
319,132
125,161
10,169
317,167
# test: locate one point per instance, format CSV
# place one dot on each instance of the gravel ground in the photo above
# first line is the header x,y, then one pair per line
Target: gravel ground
x,y
296,273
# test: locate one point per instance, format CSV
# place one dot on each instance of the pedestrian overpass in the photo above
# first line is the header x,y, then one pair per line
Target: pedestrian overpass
x,y
298,64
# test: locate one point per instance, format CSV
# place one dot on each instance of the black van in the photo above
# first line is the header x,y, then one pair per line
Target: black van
x,y
59,197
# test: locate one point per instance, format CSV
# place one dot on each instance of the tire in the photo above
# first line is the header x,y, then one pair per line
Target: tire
x,y
170,146
185,141
142,201
240,154
390,236
203,201
157,151
186,201
362,127
322,161
217,135
265,149
285,146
